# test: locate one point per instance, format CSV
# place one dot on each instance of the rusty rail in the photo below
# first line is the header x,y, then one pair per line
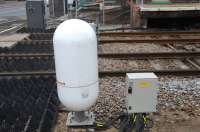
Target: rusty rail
x,y
113,41
180,72
151,55
158,55
185,40
190,72
131,33
148,33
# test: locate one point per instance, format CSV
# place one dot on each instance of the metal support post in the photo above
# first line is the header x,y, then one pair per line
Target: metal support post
x,y
82,118
103,12
76,10
131,13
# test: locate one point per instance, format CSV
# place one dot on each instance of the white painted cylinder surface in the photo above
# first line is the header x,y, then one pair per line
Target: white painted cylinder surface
x,y
75,50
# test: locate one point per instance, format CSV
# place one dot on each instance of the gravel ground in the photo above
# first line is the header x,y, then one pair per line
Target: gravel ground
x,y
117,64
178,103
192,47
158,64
132,48
198,61
187,46
171,64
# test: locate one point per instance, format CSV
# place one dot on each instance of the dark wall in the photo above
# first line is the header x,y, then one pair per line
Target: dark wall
x,y
56,8
2,1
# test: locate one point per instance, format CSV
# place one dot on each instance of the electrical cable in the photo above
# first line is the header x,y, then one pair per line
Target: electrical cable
x,y
126,122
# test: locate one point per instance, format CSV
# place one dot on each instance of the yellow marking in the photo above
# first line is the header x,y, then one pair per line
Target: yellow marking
x,y
143,84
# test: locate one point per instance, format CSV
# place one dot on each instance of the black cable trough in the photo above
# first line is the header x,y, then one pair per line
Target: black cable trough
x,y
22,47
26,41
26,30
41,36
28,104
27,55
23,64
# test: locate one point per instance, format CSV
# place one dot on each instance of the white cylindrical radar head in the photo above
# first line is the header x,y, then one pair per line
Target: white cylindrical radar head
x,y
75,50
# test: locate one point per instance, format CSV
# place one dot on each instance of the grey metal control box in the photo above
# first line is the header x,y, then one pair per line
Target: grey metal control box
x,y
35,11
142,91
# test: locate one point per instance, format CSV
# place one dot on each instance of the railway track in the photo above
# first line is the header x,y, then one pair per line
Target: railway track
x,y
36,46
43,64
31,65
39,47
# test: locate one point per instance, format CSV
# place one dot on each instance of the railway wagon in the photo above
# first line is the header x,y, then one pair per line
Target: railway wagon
x,y
142,10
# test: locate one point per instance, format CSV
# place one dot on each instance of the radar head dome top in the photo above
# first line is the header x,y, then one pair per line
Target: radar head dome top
x,y
73,30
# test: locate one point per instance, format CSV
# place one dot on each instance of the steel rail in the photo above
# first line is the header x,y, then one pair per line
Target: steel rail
x,y
34,36
120,55
148,33
134,33
151,55
11,29
186,40
189,72
114,41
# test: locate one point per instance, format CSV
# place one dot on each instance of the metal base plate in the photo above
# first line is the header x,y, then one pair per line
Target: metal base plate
x,y
89,120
